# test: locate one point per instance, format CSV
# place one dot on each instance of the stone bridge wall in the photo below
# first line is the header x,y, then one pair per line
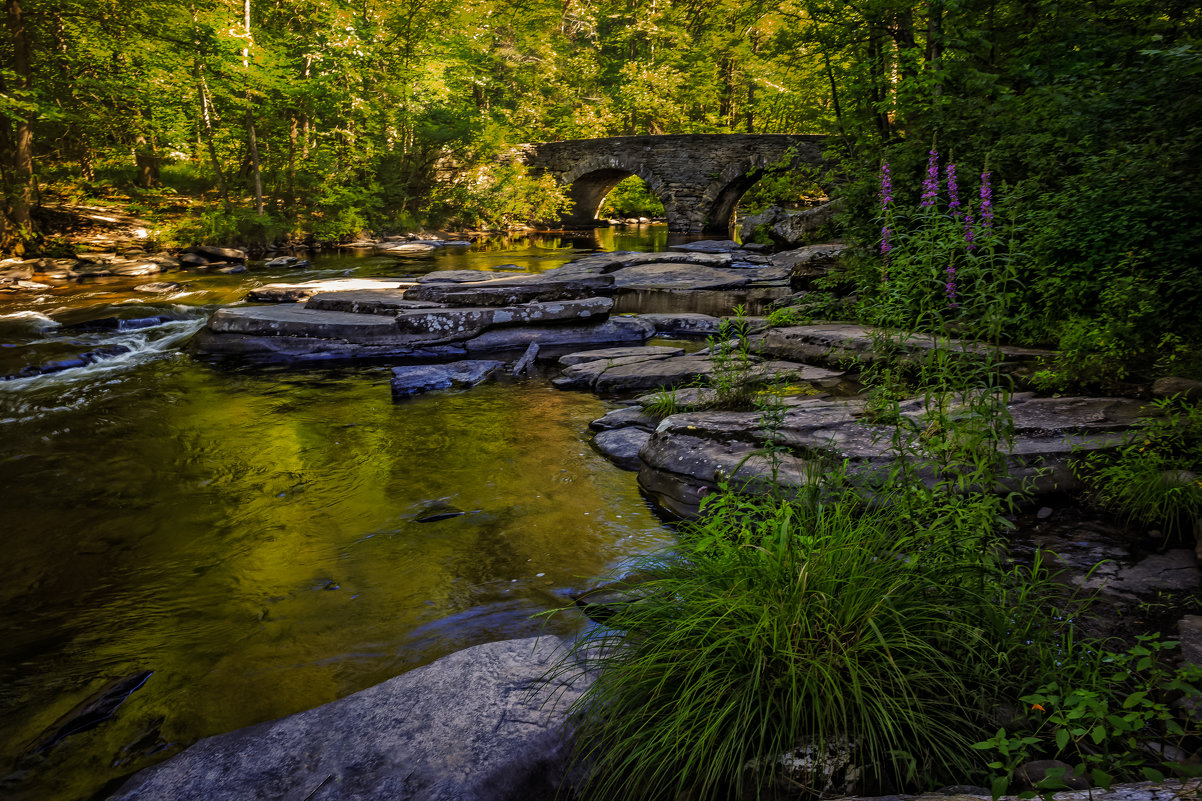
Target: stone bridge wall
x,y
698,177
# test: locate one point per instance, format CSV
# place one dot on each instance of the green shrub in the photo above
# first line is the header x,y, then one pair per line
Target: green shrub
x,y
1117,724
1155,479
813,626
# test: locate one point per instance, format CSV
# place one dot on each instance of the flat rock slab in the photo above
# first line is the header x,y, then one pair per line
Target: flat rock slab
x,y
466,322
295,293
691,453
297,321
835,343
367,301
609,354
305,349
627,375
418,378
668,275
622,445
613,331
466,276
474,726
512,291
626,417
712,246
691,324
600,263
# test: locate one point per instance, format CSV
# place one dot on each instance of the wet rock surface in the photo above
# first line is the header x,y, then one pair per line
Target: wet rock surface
x,y
415,379
476,725
691,453
834,343
622,445
296,293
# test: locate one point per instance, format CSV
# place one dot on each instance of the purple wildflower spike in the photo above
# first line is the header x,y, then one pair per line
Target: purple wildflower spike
x,y
886,187
969,236
953,192
986,204
930,186
950,288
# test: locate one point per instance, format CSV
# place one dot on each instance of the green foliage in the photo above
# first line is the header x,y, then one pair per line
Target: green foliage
x,y
816,626
1116,724
1155,479
631,198
943,268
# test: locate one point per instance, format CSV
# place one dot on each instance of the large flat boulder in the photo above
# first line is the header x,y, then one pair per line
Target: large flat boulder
x,y
466,276
602,263
477,725
691,453
465,322
670,275
608,354
306,349
294,320
562,338
296,293
836,343
512,291
689,324
367,301
639,374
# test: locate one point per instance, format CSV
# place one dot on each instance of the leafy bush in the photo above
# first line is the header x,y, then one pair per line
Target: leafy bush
x,y
1155,479
807,627
1118,725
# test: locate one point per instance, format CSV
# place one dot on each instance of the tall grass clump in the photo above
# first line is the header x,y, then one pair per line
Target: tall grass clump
x,y
793,646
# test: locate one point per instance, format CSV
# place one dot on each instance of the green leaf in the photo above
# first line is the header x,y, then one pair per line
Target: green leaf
x,y
1134,698
1152,774
1062,738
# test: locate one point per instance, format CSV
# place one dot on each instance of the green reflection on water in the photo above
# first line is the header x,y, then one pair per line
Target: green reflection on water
x,y
252,538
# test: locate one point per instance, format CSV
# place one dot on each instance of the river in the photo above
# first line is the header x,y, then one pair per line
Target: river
x,y
266,540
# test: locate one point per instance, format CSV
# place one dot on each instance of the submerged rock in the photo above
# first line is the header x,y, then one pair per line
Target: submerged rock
x,y
96,709
296,293
415,379
477,725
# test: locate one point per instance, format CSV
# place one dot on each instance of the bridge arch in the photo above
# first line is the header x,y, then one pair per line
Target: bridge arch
x,y
698,177
590,180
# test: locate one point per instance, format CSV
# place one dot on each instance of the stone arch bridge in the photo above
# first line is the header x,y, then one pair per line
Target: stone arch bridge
x,y
698,177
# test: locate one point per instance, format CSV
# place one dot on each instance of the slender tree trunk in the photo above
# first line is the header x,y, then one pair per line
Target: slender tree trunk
x,y
21,194
251,142
147,161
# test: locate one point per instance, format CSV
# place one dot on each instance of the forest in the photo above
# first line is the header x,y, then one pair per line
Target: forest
x,y
276,120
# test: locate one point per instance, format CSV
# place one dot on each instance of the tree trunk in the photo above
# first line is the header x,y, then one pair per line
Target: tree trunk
x,y
21,189
251,142
147,162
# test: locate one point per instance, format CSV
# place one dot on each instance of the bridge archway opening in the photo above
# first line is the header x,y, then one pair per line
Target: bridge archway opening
x,y
720,218
592,181
631,197
738,194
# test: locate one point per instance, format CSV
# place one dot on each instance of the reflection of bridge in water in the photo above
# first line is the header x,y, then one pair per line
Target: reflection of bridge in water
x,y
698,177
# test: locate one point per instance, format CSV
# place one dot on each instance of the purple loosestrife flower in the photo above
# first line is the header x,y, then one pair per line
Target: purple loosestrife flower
x,y
930,186
886,187
953,191
986,205
950,288
969,236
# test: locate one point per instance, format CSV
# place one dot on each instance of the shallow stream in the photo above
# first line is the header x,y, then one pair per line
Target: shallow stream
x,y
266,540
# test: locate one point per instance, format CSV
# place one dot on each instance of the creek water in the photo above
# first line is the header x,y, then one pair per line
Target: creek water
x,y
266,540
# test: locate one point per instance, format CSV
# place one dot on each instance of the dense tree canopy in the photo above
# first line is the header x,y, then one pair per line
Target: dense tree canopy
x,y
330,116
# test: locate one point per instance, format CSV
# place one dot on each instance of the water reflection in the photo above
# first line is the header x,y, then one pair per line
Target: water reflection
x,y
252,537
